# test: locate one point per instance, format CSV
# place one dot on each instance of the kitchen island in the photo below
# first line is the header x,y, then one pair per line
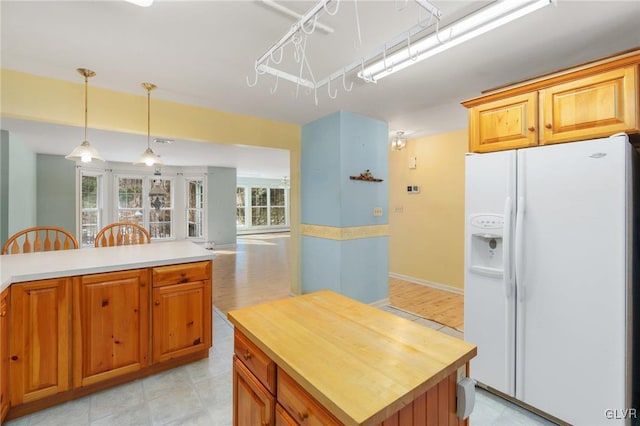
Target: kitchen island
x,y
323,358
73,322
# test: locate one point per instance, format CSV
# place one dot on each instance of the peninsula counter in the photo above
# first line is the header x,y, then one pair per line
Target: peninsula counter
x,y
73,322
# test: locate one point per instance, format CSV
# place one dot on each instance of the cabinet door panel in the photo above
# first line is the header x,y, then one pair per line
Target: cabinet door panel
x,y
39,340
111,325
591,107
283,418
180,321
252,403
504,124
4,354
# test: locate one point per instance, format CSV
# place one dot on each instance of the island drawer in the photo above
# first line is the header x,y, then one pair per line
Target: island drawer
x,y
181,273
256,361
303,407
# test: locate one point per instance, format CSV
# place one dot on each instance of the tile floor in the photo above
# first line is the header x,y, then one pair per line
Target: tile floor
x,y
200,394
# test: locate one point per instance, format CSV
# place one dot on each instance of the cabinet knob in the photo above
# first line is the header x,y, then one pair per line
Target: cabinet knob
x,y
548,126
303,416
532,129
247,355
3,314
14,358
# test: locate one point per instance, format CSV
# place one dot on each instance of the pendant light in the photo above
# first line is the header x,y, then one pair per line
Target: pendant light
x,y
149,157
85,152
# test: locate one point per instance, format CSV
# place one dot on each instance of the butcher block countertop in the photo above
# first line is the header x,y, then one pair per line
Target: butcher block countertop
x,y
65,263
361,363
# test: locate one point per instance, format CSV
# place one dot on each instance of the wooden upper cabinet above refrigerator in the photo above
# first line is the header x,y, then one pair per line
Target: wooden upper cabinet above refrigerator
x,y
590,101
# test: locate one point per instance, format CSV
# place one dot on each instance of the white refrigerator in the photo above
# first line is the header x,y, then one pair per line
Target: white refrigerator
x,y
548,277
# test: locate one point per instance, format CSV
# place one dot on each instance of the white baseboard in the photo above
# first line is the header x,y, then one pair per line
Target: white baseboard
x,y
439,286
379,303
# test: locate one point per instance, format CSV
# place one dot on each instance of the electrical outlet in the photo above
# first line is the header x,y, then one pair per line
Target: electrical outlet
x,y
377,211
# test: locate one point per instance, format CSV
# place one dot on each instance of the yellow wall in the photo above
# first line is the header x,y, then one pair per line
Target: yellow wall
x,y
426,240
31,97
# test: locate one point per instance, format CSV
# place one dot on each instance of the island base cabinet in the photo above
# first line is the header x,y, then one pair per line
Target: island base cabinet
x,y
283,418
39,339
111,325
253,404
436,407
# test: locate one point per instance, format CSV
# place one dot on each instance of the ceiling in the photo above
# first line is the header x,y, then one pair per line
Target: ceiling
x,y
203,52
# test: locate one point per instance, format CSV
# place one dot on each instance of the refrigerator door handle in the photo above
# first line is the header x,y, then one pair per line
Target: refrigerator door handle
x,y
506,253
519,249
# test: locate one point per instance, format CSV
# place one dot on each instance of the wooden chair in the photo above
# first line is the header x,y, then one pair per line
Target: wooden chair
x,y
122,234
40,238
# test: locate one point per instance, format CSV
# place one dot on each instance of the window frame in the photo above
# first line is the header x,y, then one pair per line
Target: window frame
x,y
203,209
100,202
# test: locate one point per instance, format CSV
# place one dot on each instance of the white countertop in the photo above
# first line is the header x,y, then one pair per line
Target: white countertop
x,y
16,268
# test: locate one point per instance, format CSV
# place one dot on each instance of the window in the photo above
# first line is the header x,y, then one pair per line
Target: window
x,y
130,200
90,208
262,207
160,208
277,213
195,208
241,204
258,206
154,212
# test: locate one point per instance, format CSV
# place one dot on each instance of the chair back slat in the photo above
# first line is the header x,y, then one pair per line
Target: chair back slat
x,y
26,246
30,240
122,233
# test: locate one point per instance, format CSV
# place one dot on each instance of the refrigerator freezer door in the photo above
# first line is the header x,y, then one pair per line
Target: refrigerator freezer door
x,y
489,300
572,284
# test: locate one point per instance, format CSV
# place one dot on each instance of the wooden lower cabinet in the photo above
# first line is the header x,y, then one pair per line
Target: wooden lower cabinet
x,y
39,321
180,326
110,325
253,404
4,354
283,418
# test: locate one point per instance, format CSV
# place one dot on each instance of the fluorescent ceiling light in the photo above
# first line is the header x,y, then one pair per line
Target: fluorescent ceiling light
x,y
487,19
143,3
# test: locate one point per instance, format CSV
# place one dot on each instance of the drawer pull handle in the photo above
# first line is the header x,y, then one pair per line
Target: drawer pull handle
x,y
548,126
247,355
532,129
303,416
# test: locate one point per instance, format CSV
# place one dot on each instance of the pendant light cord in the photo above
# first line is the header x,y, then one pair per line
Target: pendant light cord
x,y
148,118
86,85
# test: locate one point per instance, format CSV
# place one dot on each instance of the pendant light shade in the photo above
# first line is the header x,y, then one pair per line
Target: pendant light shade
x,y
148,157
85,152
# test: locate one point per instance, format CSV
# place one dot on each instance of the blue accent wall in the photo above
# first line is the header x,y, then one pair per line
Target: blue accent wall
x,y
334,148
18,186
221,205
56,192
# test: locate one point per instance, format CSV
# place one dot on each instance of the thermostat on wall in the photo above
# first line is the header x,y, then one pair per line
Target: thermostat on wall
x,y
413,189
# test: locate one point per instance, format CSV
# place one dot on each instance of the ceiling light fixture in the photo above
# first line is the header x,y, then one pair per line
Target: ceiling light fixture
x,y
398,142
487,19
149,157
85,152
143,3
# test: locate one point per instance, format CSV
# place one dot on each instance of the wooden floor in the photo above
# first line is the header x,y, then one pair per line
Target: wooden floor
x,y
437,305
257,271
